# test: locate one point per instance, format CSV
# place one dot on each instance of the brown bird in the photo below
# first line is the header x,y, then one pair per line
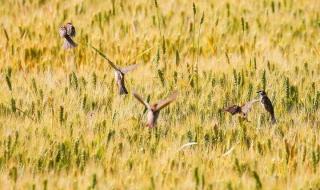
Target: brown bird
x,y
265,101
154,109
71,31
68,32
243,110
118,73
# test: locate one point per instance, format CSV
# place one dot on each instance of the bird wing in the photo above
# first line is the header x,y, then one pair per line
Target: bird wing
x,y
141,100
163,103
247,106
129,68
232,109
268,105
105,57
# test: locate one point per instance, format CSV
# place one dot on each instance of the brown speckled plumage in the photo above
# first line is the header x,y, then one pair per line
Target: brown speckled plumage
x,y
243,110
68,32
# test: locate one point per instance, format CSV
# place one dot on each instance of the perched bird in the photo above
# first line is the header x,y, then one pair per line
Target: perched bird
x,y
68,32
265,101
118,73
71,31
243,110
154,109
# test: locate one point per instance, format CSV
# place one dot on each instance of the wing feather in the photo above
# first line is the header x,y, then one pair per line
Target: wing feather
x,y
233,109
139,98
247,106
105,57
128,68
163,103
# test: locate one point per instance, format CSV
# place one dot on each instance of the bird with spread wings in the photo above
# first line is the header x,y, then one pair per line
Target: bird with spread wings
x,y
119,73
243,110
154,109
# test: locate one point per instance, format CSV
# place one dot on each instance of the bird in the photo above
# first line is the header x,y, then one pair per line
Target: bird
x,y
67,32
71,31
154,109
265,101
119,73
243,110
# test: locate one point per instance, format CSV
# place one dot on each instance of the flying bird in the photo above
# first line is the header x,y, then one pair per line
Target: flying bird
x,y
154,109
119,73
243,110
67,32
265,101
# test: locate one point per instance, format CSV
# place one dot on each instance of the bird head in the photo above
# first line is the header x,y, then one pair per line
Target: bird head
x,y
63,31
154,107
262,93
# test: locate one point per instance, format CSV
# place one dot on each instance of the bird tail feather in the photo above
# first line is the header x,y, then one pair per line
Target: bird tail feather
x,y
273,119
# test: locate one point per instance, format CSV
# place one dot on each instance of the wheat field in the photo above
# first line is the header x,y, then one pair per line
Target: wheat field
x,y
64,126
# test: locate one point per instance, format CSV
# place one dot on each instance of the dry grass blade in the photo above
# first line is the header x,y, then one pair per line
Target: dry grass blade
x,y
187,145
140,54
5,33
228,152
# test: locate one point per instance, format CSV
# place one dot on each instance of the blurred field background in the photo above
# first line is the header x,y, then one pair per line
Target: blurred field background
x,y
63,125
